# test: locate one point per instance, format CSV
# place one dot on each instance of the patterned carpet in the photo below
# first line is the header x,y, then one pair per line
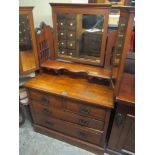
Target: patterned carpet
x,y
32,143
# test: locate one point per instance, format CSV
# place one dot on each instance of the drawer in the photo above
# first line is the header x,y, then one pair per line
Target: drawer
x,y
62,24
45,99
71,35
67,116
63,51
62,34
71,24
71,45
72,53
62,44
86,110
70,129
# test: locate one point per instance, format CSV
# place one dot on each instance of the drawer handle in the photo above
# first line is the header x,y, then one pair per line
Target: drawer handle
x,y
47,111
84,110
119,119
83,135
44,99
83,122
49,123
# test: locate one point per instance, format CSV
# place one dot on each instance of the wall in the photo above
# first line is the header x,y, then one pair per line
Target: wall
x,y
42,9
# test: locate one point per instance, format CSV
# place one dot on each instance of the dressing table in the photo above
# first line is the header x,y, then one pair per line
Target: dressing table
x,y
73,96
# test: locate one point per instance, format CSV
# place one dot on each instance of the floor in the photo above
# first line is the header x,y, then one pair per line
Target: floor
x,y
33,143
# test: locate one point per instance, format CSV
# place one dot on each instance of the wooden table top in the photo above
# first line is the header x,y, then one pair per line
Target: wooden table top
x,y
127,90
99,72
75,88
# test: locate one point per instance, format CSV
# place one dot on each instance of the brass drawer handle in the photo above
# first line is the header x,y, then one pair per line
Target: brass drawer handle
x,y
83,135
46,111
49,123
83,122
84,110
119,119
44,99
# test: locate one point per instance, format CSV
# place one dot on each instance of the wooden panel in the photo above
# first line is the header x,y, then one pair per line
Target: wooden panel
x,y
67,116
77,131
75,88
127,89
85,110
45,99
122,138
45,43
99,72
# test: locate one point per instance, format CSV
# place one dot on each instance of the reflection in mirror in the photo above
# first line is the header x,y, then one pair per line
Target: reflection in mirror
x,y
80,36
25,40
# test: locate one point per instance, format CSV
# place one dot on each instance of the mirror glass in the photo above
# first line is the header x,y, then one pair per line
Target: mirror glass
x,y
25,40
80,36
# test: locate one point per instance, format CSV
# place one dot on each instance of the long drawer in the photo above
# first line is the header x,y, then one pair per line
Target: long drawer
x,y
84,109
46,99
71,129
67,116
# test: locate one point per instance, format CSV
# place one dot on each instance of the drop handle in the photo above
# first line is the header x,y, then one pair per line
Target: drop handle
x,y
44,99
83,135
47,111
83,122
84,110
49,123
119,119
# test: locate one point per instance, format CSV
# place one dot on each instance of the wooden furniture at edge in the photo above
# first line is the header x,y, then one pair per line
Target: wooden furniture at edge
x,y
122,136
28,60
113,2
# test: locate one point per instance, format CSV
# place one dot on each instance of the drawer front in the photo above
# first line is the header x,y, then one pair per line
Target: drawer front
x,y
62,44
67,116
71,35
71,44
71,24
63,51
62,25
62,34
70,129
45,99
85,110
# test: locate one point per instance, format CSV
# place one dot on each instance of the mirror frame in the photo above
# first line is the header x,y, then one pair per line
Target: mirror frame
x,y
90,9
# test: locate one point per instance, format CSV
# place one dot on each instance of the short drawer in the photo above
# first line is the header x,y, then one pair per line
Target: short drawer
x,y
63,51
62,34
71,35
71,24
86,110
62,44
70,129
45,99
72,53
67,116
71,45
71,16
62,25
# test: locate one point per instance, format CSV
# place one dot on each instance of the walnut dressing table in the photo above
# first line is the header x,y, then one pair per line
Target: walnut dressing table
x,y
72,98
